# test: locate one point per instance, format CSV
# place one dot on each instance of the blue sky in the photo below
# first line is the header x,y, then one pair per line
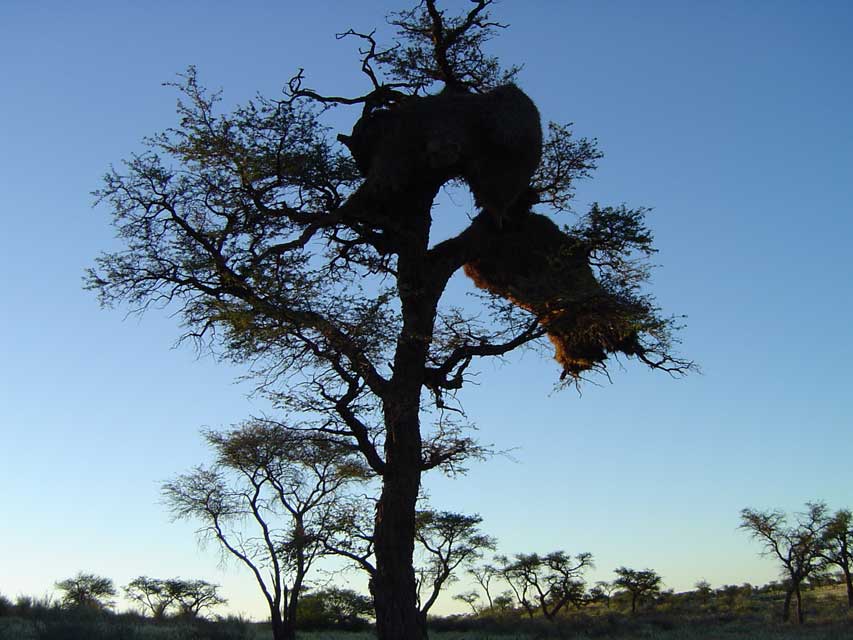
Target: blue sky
x,y
731,119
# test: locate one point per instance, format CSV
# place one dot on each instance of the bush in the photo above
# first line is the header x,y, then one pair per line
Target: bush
x,y
61,624
225,629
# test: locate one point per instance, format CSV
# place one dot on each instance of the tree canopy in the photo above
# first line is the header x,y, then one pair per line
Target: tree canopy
x,y
640,583
546,583
272,500
795,546
87,591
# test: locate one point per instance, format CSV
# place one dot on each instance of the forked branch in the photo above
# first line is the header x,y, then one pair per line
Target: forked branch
x,y
444,39
382,94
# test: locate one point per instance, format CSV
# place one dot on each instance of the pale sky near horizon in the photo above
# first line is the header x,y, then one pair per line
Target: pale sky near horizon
x,y
731,119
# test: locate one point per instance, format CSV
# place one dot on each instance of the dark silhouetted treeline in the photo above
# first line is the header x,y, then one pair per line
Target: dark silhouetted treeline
x,y
28,618
730,611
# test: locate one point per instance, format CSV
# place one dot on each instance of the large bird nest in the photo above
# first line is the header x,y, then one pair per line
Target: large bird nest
x,y
546,271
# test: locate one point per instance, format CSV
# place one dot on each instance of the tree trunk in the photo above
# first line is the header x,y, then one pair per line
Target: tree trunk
x,y
633,603
786,608
281,629
799,605
848,580
393,585
291,599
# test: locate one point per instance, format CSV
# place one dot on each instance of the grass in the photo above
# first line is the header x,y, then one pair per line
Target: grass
x,y
740,615
19,629
732,632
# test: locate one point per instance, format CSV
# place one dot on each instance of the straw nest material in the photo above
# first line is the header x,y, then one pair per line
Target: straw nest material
x,y
544,270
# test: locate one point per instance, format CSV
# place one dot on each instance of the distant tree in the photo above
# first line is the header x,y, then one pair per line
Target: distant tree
x,y
6,606
602,591
270,500
640,584
320,267
448,540
335,607
188,597
837,547
503,602
546,583
485,574
796,546
470,598
87,591
773,586
194,596
153,594
704,591
347,608
731,595
24,605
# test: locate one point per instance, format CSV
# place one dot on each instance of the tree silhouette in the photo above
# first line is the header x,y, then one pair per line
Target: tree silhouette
x,y
270,500
337,607
837,547
194,596
87,591
315,263
449,541
546,583
155,595
796,546
470,598
640,584
602,591
704,591
484,575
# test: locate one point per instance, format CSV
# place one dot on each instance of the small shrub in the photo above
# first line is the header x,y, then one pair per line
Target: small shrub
x,y
6,607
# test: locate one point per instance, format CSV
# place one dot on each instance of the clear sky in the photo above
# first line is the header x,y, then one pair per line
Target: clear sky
x,y
732,119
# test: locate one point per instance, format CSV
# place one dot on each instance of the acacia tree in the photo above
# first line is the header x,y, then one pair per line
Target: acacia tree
x,y
270,500
264,235
546,583
796,546
837,547
640,584
470,598
188,597
449,541
704,591
345,608
155,595
484,575
87,591
444,540
602,591
194,596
